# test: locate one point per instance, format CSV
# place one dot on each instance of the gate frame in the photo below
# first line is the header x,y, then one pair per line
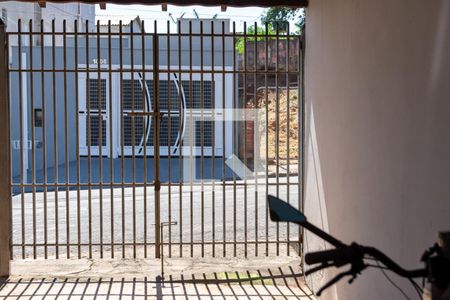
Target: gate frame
x,y
5,162
157,118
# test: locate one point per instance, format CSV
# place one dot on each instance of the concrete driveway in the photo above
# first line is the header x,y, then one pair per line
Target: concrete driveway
x,y
124,220
230,278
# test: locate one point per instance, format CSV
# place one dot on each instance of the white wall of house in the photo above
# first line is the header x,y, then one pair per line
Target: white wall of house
x,y
378,120
12,11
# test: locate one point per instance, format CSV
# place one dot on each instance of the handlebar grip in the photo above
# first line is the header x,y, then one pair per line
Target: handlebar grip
x,y
342,254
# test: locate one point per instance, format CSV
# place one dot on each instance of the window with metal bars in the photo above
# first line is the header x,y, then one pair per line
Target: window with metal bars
x,y
198,127
164,132
207,128
165,96
132,94
194,88
96,102
135,90
93,100
139,131
95,130
128,130
134,131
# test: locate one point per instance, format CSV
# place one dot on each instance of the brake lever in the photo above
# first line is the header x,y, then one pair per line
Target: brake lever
x,y
355,269
334,281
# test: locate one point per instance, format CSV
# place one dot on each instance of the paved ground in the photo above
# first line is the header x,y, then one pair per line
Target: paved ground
x,y
145,288
259,278
202,215
167,174
203,169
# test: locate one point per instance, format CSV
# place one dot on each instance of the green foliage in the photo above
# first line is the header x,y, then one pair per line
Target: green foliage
x,y
280,17
260,32
276,19
244,278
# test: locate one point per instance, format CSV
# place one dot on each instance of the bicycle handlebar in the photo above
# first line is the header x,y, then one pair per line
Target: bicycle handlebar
x,y
343,254
347,254
393,266
354,254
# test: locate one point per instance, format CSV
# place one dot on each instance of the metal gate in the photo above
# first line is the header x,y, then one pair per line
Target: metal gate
x,y
125,141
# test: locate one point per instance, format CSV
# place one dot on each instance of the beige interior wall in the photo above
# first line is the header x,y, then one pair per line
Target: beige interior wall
x,y
378,130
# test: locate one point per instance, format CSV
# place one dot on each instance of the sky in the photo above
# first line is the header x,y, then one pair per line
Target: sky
x,y
149,13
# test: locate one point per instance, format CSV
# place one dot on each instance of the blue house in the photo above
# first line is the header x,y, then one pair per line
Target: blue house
x,y
88,104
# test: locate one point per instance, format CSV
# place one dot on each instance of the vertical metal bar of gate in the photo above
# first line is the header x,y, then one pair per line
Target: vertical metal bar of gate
x,y
5,160
88,140
224,200
244,105
266,110
156,132
100,136
301,129
144,124
111,141
214,111
180,157
122,139
202,142
235,140
77,142
44,139
288,116
213,160
133,136
169,140
33,152
55,140
22,196
255,153
192,139
277,127
66,138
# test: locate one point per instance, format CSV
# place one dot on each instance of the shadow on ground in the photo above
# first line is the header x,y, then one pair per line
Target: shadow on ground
x,y
260,284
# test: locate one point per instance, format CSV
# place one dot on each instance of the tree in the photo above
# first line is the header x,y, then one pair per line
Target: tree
x,y
273,18
279,17
260,32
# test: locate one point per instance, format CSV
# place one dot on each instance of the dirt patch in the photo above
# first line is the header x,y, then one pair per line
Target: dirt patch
x,y
282,144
